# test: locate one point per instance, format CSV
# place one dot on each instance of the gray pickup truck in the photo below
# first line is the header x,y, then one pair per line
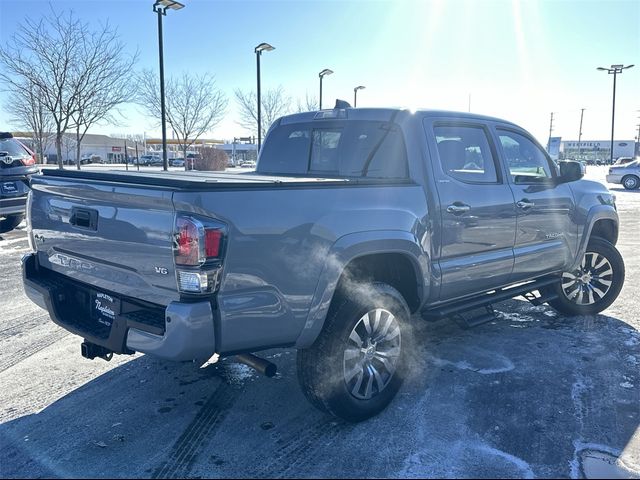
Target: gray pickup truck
x,y
354,221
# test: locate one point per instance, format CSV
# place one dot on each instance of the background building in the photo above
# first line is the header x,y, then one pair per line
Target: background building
x,y
240,152
97,147
597,149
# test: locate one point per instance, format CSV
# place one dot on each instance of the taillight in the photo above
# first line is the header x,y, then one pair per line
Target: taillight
x,y
188,242
30,160
212,239
197,249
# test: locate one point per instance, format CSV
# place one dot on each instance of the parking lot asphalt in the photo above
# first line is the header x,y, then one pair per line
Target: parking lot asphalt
x,y
531,394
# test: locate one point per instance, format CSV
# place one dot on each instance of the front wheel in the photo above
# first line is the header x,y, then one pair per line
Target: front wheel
x,y
594,285
358,363
630,182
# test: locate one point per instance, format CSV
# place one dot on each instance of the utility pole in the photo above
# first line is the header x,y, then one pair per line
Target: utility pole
x,y
550,130
580,132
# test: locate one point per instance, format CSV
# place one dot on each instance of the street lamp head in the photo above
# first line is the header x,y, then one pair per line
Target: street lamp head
x,y
172,4
602,68
628,66
264,47
359,87
324,72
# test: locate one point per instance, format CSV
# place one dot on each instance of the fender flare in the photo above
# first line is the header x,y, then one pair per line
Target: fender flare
x,y
348,248
597,212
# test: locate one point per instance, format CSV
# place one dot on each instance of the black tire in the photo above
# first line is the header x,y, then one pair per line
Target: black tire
x,y
322,368
10,222
590,280
630,182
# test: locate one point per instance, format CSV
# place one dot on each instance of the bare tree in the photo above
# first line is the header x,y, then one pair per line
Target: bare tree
x,y
103,81
67,67
27,111
40,58
310,104
194,104
274,104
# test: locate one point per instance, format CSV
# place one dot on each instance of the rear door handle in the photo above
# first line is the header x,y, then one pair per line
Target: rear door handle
x,y
525,204
458,208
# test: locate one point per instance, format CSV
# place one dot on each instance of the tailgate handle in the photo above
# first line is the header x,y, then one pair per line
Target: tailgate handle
x,y
84,218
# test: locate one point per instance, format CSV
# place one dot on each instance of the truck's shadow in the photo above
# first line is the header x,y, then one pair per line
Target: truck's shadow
x,y
526,395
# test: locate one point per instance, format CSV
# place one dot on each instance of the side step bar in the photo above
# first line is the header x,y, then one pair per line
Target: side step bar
x,y
495,296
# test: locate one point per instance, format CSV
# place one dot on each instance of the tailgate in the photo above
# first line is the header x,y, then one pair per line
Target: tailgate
x,y
115,237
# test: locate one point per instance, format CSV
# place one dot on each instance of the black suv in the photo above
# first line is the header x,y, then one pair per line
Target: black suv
x,y
17,164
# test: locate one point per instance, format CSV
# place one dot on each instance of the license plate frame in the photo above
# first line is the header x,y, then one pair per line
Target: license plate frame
x,y
104,308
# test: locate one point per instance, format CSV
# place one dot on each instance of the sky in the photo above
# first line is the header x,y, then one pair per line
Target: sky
x,y
517,60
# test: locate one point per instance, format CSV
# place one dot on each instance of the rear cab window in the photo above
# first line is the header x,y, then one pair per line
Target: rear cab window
x,y
355,148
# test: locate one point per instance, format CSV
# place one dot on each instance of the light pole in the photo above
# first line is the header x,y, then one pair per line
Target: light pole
x,y
263,47
615,70
355,95
161,7
324,72
580,133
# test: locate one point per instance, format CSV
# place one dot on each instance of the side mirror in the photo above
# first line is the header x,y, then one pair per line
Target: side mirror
x,y
570,171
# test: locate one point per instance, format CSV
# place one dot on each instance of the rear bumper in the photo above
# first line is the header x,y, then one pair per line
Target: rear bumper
x,y
11,206
614,178
179,331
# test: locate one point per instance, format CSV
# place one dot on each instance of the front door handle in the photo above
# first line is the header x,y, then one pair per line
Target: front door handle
x,y
525,204
458,208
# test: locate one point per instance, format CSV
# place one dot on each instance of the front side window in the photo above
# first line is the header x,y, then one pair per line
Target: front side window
x,y
526,162
465,153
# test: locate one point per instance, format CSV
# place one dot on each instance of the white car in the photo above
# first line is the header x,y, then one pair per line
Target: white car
x,y
628,175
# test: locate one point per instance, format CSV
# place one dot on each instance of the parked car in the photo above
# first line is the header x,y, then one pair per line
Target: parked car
x,y
17,165
150,160
248,164
87,159
628,175
361,220
177,162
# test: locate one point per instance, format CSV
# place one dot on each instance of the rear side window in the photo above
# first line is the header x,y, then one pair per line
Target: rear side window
x,y
345,149
465,153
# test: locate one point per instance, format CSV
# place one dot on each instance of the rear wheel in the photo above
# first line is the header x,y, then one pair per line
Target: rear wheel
x,y
10,222
594,285
630,182
358,363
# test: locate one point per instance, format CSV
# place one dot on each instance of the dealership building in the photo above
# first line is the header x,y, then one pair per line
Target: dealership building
x,y
597,149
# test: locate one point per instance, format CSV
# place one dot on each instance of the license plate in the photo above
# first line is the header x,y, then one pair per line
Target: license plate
x,y
104,308
9,187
